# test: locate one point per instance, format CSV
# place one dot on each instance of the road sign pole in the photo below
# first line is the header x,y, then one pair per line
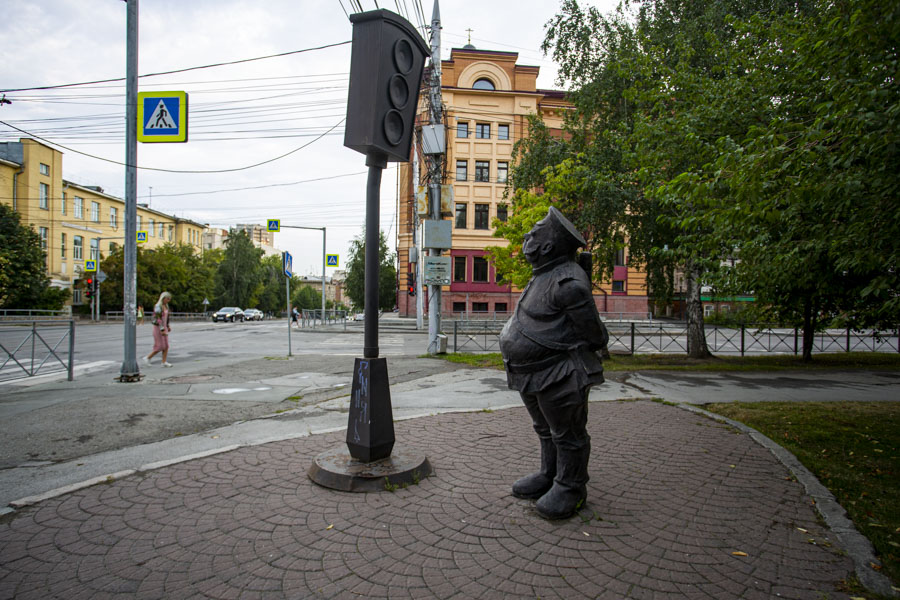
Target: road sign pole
x,y
323,277
289,314
130,370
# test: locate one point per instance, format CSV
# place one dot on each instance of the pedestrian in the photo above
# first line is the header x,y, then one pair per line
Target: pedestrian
x,y
295,316
161,329
140,314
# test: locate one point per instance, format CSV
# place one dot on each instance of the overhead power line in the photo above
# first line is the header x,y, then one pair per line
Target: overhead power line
x,y
221,64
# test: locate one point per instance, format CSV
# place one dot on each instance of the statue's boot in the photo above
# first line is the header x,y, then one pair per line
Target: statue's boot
x,y
536,485
569,490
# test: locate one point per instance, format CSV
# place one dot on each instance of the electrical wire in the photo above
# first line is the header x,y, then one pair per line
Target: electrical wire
x,y
221,64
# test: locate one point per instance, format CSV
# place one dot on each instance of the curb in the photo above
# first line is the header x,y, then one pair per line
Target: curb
x,y
858,547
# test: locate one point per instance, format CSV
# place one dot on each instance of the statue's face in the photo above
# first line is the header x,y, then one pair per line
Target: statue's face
x,y
538,242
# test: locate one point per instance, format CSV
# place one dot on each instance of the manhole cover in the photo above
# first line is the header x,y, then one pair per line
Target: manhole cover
x,y
191,379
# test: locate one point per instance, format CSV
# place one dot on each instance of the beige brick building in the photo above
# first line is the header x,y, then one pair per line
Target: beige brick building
x,y
76,222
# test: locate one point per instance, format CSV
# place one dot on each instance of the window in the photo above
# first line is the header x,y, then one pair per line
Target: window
x,y
95,249
482,170
79,207
152,228
620,257
708,310
479,307
500,307
44,232
459,307
45,196
483,131
162,231
482,212
113,217
480,269
76,296
501,212
502,132
462,129
77,245
459,268
45,169
95,212
462,170
502,171
139,222
62,206
171,231
618,286
483,84
461,216
62,247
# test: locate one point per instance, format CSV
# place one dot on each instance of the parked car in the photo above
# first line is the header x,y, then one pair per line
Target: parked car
x,y
253,314
228,313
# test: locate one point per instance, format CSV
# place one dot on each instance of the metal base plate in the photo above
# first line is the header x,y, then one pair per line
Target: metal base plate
x,y
337,470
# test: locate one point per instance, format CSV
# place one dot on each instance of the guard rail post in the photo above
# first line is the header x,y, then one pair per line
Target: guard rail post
x,y
848,339
795,341
632,339
33,335
71,350
455,345
743,329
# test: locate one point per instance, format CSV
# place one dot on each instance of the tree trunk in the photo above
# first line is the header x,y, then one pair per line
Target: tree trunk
x,y
696,335
809,329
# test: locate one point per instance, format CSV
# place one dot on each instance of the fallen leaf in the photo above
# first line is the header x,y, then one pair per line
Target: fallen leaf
x,y
732,466
215,437
586,534
329,527
874,566
802,530
739,553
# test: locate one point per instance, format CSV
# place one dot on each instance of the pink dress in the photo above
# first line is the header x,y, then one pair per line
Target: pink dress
x,y
160,341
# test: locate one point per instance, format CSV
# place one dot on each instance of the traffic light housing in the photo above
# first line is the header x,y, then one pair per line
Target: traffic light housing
x,y
386,65
411,284
89,287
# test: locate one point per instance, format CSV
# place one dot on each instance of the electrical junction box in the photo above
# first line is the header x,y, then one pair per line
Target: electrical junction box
x,y
436,235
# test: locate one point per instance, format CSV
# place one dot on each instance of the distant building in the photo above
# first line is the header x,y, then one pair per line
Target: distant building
x,y
333,287
76,222
487,98
215,238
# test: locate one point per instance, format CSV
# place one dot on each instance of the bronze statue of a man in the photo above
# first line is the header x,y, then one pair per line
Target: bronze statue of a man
x,y
549,349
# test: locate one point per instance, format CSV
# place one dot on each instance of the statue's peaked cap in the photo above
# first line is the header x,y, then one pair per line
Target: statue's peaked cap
x,y
565,228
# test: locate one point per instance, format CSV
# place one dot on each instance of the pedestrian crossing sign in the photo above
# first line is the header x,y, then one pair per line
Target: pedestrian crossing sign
x,y
273,225
162,117
331,260
141,237
90,266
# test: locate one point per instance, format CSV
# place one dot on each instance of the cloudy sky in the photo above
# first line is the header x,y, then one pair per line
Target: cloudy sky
x,y
240,115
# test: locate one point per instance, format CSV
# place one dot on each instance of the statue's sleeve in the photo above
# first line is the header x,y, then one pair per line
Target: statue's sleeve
x,y
575,297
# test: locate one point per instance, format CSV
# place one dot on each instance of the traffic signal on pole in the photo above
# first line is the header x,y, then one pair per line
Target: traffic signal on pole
x,y
411,284
386,64
89,287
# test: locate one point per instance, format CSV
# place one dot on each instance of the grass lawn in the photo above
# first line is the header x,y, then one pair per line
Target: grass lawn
x,y
680,362
854,450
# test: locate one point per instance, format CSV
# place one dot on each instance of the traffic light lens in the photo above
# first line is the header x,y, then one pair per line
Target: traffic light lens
x,y
403,56
399,91
393,127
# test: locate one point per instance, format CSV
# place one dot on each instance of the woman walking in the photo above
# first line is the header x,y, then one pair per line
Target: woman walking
x,y
161,329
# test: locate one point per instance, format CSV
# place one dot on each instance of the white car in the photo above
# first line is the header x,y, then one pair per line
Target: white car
x,y
253,314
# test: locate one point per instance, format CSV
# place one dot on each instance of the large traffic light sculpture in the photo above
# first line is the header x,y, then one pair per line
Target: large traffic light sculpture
x,y
386,65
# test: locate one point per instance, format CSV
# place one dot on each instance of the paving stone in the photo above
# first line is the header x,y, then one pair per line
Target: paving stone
x,y
666,509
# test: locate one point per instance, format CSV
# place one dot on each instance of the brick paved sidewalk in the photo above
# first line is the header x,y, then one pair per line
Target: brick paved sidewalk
x,y
672,497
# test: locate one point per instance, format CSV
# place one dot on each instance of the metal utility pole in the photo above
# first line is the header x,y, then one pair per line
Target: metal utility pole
x,y
435,175
130,371
420,301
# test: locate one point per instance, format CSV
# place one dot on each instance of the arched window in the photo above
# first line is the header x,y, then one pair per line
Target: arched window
x,y
483,84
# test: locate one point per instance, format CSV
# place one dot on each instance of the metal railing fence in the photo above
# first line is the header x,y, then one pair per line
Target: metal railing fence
x,y
645,338
35,339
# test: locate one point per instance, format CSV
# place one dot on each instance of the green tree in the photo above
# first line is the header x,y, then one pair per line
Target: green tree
x,y
356,273
239,272
807,193
307,297
23,274
270,292
176,268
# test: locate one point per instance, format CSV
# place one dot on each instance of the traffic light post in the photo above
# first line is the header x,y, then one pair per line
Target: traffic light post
x,y
387,61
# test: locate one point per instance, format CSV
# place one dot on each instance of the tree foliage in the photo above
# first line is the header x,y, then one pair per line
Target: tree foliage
x,y
356,273
238,274
23,275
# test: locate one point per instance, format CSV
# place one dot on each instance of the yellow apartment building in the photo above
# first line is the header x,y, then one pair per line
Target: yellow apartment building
x,y
487,97
76,222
